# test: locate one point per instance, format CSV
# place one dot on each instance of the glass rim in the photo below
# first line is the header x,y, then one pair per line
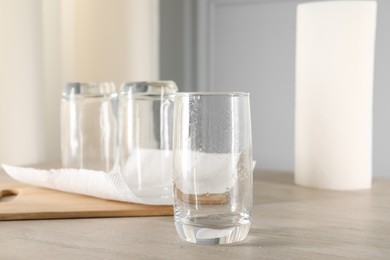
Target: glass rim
x,y
150,82
204,93
87,83
89,88
166,87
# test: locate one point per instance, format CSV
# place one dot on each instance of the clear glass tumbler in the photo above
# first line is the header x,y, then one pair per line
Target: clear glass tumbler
x,y
88,126
212,167
145,138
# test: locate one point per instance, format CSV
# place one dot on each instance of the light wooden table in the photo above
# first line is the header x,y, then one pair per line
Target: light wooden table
x,y
290,222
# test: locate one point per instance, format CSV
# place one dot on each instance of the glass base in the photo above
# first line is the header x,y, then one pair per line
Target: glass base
x,y
207,235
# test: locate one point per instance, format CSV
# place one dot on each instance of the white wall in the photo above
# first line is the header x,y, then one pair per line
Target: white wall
x,y
178,42
45,43
249,45
21,82
381,136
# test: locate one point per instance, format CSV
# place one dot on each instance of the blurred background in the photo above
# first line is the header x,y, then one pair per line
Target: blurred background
x,y
204,45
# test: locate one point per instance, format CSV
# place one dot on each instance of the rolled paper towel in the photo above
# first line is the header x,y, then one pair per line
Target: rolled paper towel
x,y
334,91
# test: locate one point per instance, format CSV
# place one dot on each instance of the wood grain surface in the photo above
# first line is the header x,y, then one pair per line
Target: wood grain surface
x,y
289,222
31,202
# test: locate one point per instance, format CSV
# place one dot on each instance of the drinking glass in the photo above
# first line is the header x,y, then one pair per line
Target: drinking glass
x,y
88,126
212,167
145,138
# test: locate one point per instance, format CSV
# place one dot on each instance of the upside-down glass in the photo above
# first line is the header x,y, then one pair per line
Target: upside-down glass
x,y
212,167
88,126
145,138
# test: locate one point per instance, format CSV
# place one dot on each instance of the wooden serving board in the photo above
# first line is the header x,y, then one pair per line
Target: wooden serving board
x,y
21,201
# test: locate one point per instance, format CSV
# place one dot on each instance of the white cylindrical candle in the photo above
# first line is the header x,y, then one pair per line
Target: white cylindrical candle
x,y
334,91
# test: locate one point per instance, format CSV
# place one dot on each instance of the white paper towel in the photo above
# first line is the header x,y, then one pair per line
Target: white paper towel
x,y
209,172
148,173
334,88
113,186
87,182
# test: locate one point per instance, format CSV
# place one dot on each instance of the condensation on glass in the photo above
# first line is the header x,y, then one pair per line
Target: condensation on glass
x,y
212,167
